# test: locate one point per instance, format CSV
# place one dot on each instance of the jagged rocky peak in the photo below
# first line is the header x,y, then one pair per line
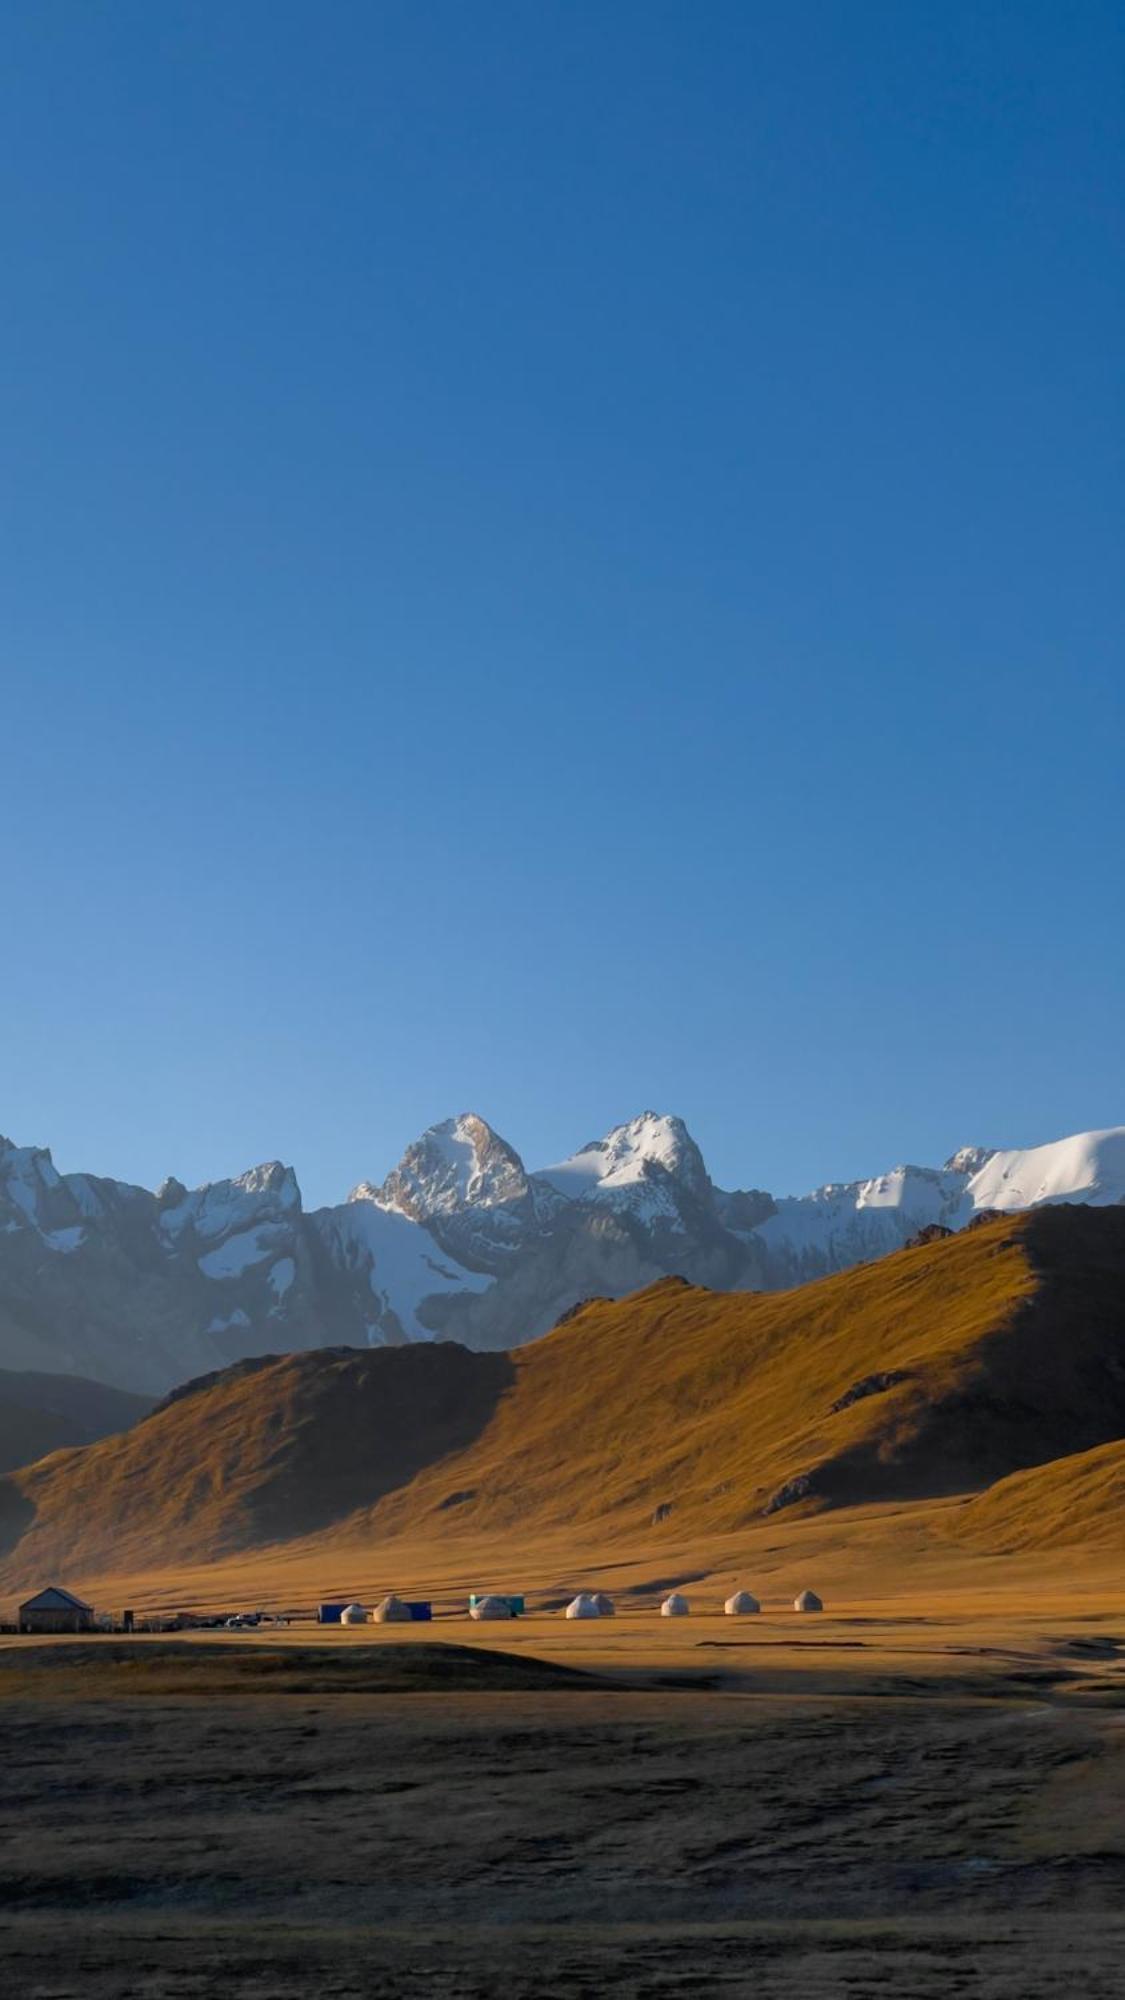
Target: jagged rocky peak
x,y
969,1159
25,1162
266,1193
743,1209
459,1164
652,1148
271,1179
28,1180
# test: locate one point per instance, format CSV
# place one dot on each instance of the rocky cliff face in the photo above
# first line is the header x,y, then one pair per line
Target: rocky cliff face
x,y
143,1290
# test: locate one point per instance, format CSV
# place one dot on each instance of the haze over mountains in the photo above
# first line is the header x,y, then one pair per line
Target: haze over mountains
x,y
145,1290
41,1413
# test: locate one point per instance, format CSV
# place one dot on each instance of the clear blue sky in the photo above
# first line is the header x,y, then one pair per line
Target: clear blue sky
x,y
560,558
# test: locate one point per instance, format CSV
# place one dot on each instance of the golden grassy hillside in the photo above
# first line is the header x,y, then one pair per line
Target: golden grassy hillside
x,y
1077,1501
949,1365
933,1372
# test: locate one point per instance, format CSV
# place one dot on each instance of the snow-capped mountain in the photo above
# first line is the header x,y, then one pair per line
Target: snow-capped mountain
x,y
648,1169
462,1241
469,1188
143,1290
840,1225
461,1164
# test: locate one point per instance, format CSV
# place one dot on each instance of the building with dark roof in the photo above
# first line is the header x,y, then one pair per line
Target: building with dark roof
x,y
55,1610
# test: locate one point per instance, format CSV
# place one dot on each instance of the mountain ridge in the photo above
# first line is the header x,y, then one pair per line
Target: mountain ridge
x,y
143,1289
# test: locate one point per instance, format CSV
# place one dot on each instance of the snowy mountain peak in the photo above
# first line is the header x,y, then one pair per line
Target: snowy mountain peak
x,y
33,1195
643,1165
271,1179
459,1164
968,1159
264,1194
1089,1166
27,1163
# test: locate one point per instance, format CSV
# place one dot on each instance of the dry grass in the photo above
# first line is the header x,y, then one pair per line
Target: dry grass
x,y
1076,1502
296,1833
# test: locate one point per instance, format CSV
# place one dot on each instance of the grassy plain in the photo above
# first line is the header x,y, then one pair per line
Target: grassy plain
x,y
722,1808
920,1792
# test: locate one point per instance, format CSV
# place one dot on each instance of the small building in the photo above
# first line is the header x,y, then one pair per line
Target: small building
x,y
330,1614
55,1610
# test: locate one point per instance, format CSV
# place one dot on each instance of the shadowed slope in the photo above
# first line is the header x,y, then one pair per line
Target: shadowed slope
x,y
41,1413
933,1372
266,1450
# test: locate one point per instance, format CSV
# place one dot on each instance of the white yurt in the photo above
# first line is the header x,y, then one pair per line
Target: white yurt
x,y
807,1601
675,1606
353,1614
606,1605
583,1606
741,1604
392,1611
490,1607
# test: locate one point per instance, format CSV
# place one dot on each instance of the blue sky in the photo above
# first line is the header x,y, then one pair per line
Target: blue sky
x,y
555,560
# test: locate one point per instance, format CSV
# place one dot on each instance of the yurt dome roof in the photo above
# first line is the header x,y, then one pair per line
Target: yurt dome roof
x,y
392,1611
741,1604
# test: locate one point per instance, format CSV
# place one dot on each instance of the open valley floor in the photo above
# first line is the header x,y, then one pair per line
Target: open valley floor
x,y
886,1804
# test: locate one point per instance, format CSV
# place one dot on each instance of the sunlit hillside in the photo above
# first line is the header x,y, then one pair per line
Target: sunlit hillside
x,y
937,1371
